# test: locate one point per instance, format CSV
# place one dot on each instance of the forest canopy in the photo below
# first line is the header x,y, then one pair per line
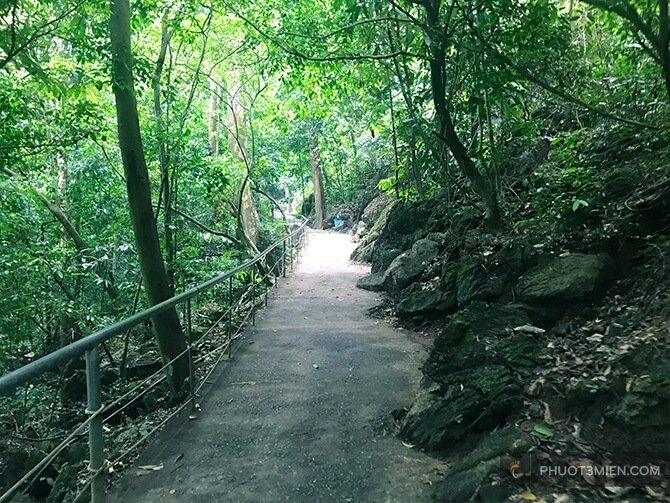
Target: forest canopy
x,y
243,106
148,145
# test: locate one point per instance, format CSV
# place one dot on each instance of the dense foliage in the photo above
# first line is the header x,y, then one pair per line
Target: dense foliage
x,y
249,109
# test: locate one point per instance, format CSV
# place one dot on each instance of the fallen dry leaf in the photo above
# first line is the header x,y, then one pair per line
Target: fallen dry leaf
x,y
547,413
152,468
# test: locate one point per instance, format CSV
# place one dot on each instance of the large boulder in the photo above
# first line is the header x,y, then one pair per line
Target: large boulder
x,y
473,376
359,230
408,266
384,258
375,208
405,225
481,334
479,475
477,279
373,282
424,298
478,401
364,250
399,225
488,267
565,280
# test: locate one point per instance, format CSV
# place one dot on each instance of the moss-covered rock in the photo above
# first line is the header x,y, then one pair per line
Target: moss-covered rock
x,y
425,298
480,334
477,280
477,401
384,259
644,406
363,252
478,473
408,267
565,280
374,209
373,282
473,376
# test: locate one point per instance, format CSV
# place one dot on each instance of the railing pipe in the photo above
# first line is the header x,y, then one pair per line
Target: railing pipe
x,y
88,346
34,369
189,341
230,317
283,260
95,437
253,296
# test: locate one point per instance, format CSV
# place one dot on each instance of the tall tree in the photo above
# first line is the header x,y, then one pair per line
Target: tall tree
x,y
163,159
317,178
481,183
248,218
166,325
213,118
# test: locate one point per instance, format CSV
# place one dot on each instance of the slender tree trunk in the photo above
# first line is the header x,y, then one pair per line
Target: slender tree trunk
x,y
247,216
61,164
664,49
163,159
213,119
664,41
480,184
248,220
71,231
166,325
447,133
415,126
394,138
317,181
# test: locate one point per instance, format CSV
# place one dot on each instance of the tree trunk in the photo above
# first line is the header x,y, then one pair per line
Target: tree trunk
x,y
317,181
163,159
71,231
665,62
166,325
480,184
447,131
248,219
61,164
213,119
401,75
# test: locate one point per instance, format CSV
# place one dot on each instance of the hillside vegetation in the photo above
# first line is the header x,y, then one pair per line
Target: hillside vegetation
x,y
504,165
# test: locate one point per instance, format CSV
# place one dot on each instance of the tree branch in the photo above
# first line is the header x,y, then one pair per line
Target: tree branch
x,y
204,227
523,72
295,52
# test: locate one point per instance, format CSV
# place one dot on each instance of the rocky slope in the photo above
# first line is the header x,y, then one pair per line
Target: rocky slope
x,y
554,341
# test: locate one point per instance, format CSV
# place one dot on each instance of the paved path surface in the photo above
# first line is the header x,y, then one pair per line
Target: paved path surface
x,y
275,428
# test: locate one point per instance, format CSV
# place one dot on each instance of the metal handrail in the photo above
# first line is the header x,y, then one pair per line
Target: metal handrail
x,y
88,346
20,376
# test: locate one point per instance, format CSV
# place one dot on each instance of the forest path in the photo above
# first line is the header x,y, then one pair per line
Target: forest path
x,y
274,427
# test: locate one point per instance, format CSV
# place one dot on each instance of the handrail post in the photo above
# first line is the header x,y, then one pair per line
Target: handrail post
x,y
253,295
191,376
283,260
292,245
230,318
95,437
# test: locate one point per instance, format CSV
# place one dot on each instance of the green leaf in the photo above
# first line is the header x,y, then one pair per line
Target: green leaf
x,y
578,203
544,430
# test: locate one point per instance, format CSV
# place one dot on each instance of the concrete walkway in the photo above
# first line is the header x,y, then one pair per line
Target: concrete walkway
x,y
302,412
